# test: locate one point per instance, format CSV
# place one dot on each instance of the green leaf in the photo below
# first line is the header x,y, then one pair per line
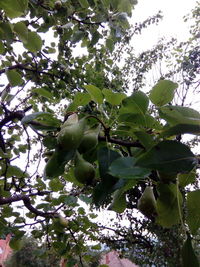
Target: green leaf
x,y
186,178
182,129
193,214
15,244
14,78
44,118
145,139
119,198
125,168
34,42
14,8
142,120
137,103
163,92
2,48
77,36
84,3
56,185
6,32
119,202
110,45
167,205
169,157
80,99
114,99
189,257
179,115
21,31
95,38
43,92
15,171
95,93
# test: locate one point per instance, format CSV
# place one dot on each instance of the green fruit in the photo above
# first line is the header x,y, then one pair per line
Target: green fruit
x,y
147,203
89,141
84,171
71,135
64,222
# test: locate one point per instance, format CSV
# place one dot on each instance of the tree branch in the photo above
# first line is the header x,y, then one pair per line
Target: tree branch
x,y
120,142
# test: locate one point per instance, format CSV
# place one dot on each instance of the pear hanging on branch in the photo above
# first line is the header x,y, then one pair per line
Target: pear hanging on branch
x,y
147,203
71,134
90,140
84,171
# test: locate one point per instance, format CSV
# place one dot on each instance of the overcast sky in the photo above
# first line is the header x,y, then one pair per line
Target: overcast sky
x,y
171,25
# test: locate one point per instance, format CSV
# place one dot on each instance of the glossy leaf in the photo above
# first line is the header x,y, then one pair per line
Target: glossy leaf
x,y
43,92
80,99
21,31
180,115
167,205
114,99
163,92
186,178
14,8
95,93
189,257
193,214
182,129
14,78
169,157
137,103
125,168
141,120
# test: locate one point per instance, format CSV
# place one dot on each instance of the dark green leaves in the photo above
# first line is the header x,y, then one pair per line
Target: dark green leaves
x,y
95,93
163,92
113,98
168,205
34,42
125,168
168,157
14,78
193,212
137,103
56,164
14,8
188,256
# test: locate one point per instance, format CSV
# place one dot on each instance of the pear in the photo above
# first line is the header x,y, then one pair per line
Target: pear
x,y
84,171
147,203
64,222
70,136
89,141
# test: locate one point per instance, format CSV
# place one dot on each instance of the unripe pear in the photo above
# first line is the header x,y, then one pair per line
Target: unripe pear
x,y
89,141
70,136
147,203
84,171
64,222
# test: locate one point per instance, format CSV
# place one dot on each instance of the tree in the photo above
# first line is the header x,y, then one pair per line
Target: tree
x,y
32,254
70,133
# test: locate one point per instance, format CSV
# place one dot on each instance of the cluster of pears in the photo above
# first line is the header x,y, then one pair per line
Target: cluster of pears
x,y
147,203
75,136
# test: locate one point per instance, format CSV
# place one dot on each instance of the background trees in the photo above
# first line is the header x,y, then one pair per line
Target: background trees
x,y
136,141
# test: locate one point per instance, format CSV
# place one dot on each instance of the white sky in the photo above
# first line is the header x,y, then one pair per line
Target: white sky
x,y
171,25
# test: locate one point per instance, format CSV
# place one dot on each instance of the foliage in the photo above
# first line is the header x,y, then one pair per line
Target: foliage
x,y
32,254
52,99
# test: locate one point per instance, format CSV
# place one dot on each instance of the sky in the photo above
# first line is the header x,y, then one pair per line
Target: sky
x,y
171,25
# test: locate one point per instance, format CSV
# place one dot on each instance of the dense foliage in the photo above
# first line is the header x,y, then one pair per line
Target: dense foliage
x,y
70,132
